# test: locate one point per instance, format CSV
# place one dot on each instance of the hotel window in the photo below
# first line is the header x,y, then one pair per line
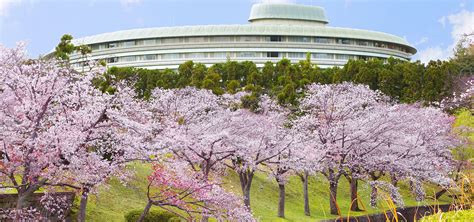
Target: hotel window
x,y
322,40
218,54
171,40
342,57
112,60
299,39
149,41
248,39
246,54
194,55
343,41
380,45
272,54
221,39
323,56
129,43
113,45
273,38
95,47
195,39
128,59
296,55
363,43
149,57
170,56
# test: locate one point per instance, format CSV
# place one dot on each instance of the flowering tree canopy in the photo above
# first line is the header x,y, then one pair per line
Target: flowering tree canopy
x,y
176,188
57,130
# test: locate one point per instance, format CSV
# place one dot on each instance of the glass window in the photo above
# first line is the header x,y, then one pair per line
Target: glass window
x,y
246,54
112,60
218,55
149,41
273,38
195,39
149,57
129,43
95,47
323,56
322,40
171,40
296,55
299,39
112,45
343,41
272,54
363,43
195,55
221,39
128,59
342,57
248,39
380,44
170,56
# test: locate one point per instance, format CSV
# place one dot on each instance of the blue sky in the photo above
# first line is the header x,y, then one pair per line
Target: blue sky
x,y
432,26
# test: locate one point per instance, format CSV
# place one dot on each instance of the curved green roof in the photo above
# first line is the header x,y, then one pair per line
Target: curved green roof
x,y
234,30
288,12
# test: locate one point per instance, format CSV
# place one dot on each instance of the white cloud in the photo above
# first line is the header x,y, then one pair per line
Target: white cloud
x,y
275,1
5,5
461,23
421,41
432,53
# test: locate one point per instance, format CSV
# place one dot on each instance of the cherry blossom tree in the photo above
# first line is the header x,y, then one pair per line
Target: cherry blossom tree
x,y
178,189
334,120
197,129
57,130
259,138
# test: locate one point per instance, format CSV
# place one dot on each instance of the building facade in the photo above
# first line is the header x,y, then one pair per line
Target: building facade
x,y
275,31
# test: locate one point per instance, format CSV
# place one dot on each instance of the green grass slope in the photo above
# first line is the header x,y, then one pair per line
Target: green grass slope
x,y
461,215
112,202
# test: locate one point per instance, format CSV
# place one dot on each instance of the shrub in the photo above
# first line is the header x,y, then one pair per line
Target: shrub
x,y
154,215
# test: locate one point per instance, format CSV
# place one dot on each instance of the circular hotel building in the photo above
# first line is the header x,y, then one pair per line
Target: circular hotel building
x,y
275,31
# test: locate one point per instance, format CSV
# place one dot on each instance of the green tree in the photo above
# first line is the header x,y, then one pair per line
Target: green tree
x,y
233,86
64,48
268,75
198,74
185,71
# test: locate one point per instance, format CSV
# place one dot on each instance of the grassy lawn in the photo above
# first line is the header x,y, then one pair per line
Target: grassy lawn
x,y
462,215
112,202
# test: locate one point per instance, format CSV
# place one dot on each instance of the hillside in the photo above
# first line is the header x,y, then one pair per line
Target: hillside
x,y
113,202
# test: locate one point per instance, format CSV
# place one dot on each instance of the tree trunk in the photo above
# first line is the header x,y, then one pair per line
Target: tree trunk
x,y
281,201
333,197
145,212
373,196
440,193
81,216
456,178
245,178
333,182
23,198
394,180
354,198
304,179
